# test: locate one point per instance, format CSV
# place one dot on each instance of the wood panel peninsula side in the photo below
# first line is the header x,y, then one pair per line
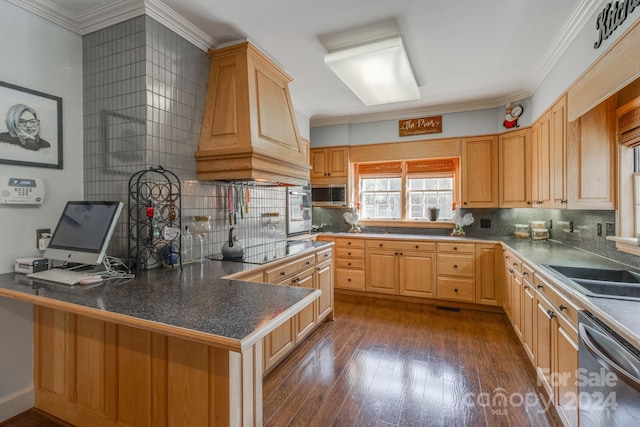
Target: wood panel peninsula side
x,y
169,348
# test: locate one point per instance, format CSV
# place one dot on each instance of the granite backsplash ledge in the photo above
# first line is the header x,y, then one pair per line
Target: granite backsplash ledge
x,y
502,223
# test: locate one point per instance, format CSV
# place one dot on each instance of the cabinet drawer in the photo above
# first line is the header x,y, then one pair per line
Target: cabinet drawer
x,y
456,289
349,253
513,262
459,248
457,265
278,273
350,243
396,245
354,264
324,255
560,304
527,272
350,279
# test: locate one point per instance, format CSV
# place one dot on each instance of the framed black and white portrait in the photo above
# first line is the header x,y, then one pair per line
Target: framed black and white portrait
x,y
30,127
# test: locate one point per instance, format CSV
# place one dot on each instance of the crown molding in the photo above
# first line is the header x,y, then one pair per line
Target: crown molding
x,y
178,24
51,12
576,22
114,12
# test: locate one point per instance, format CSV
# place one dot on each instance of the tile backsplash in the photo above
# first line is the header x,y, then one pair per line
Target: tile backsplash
x,y
144,94
584,235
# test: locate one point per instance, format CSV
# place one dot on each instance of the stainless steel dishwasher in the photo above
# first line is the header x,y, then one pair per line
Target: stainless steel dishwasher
x,y
609,376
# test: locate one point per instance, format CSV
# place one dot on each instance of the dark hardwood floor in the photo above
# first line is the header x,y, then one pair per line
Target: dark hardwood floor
x,y
387,363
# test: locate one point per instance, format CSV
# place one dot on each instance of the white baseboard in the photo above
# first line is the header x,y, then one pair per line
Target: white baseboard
x,y
16,403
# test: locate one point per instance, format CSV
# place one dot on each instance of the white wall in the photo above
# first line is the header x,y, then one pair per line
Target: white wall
x,y
42,56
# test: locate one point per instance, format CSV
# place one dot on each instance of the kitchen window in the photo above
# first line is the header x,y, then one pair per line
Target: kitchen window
x,y
405,190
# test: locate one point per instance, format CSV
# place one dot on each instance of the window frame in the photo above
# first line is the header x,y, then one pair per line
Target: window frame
x,y
404,221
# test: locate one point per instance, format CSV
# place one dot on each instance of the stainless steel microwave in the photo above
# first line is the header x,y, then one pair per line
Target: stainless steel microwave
x,y
329,195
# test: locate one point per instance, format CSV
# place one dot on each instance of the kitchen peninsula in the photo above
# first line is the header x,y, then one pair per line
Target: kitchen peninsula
x,y
170,347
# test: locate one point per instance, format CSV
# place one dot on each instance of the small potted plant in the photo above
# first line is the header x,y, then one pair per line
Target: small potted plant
x,y
460,221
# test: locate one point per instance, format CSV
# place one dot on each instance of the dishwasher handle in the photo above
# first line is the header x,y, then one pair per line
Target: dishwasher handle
x,y
586,333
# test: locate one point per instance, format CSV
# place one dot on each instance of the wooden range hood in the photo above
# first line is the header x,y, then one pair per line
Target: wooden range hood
x,y
249,130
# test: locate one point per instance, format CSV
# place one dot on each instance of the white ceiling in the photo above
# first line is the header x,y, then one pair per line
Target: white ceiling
x,y
466,54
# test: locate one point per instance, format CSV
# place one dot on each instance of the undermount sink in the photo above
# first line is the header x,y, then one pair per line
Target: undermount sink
x,y
605,283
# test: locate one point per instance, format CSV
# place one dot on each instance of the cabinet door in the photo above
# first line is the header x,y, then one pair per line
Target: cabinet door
x,y
307,317
592,159
528,321
338,162
480,172
324,282
566,353
515,169
543,351
319,163
542,177
279,342
516,313
332,162
417,275
508,286
382,272
488,274
558,121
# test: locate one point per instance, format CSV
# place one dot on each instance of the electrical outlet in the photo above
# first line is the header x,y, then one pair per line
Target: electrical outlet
x,y
599,229
610,229
39,233
485,223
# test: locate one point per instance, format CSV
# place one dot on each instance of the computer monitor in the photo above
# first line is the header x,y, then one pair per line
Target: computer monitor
x,y
83,232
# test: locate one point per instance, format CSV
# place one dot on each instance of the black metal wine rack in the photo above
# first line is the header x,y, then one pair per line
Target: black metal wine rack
x,y
154,217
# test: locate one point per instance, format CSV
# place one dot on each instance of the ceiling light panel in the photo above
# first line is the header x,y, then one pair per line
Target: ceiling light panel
x,y
378,73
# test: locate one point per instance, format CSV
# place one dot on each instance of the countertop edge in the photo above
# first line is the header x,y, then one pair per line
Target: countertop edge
x,y
250,340
122,319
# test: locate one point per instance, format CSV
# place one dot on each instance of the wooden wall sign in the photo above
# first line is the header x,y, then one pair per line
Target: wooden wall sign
x,y
421,126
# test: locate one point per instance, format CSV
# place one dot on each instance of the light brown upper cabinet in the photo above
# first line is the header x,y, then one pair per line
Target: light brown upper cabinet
x,y
331,162
592,158
515,169
480,172
549,157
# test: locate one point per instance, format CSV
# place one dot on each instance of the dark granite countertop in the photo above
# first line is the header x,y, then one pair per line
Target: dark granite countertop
x,y
195,302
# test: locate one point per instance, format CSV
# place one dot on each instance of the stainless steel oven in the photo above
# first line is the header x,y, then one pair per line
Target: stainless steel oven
x,y
608,378
298,210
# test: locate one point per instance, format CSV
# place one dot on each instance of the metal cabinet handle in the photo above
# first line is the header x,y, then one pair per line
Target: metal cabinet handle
x,y
562,307
348,243
510,270
551,314
380,244
540,287
455,248
282,273
455,265
525,273
455,290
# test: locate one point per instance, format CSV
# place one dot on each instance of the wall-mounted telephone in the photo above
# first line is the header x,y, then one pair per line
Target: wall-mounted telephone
x,y
22,191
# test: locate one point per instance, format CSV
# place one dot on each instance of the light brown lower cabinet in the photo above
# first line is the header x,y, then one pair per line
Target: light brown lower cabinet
x,y
94,372
546,323
457,271
310,270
